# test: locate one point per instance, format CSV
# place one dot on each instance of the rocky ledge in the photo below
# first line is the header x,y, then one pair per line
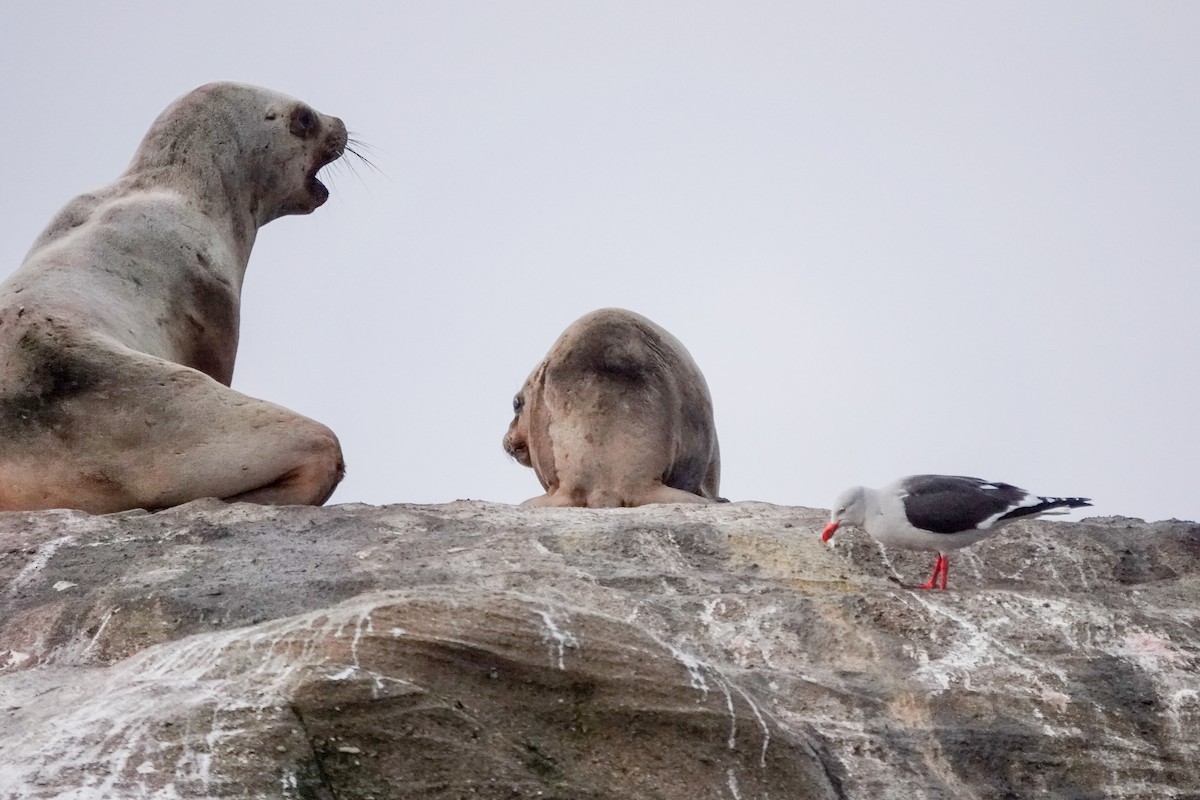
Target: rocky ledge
x,y
476,650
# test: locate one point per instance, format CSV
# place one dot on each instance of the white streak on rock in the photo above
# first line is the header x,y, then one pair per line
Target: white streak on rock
x,y
887,561
733,784
100,631
365,618
728,705
693,666
40,558
762,758
557,638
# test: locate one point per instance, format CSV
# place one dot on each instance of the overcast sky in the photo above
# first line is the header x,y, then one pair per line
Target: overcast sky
x,y
896,237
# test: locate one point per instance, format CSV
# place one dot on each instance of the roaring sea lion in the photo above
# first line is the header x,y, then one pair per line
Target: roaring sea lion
x,y
617,414
118,333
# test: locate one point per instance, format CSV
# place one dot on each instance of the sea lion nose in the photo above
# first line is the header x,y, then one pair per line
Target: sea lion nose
x,y
338,137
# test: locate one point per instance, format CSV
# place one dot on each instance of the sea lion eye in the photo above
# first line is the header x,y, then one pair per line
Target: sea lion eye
x,y
304,122
518,404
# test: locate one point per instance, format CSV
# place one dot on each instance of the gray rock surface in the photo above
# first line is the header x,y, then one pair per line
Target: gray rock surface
x,y
476,650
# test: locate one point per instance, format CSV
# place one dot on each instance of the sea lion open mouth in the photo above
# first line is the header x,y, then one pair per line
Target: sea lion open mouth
x,y
318,190
336,149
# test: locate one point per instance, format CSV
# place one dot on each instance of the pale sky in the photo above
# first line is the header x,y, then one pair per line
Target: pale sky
x,y
896,237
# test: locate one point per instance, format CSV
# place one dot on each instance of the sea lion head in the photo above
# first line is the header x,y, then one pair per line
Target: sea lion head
x,y
516,440
527,439
253,149
325,138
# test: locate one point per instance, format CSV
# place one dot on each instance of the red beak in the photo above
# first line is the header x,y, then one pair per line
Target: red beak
x,y
827,534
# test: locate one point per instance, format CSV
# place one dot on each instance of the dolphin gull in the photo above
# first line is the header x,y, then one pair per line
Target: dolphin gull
x,y
939,513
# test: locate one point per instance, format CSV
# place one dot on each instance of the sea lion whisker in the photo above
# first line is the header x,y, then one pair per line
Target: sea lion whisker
x,y
347,166
352,148
352,138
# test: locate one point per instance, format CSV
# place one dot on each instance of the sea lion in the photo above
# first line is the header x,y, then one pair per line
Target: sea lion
x,y
617,414
118,333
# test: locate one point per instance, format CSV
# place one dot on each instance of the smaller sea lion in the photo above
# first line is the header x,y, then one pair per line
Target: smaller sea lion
x,y
617,415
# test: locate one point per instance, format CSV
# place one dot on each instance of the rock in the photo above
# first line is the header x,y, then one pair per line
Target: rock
x,y
477,650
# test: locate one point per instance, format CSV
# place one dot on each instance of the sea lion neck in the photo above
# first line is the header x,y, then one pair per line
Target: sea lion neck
x,y
207,175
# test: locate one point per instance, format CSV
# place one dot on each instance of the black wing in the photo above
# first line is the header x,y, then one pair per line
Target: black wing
x,y
956,503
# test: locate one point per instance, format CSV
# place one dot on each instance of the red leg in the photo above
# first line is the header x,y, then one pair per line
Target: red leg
x,y
940,567
945,571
